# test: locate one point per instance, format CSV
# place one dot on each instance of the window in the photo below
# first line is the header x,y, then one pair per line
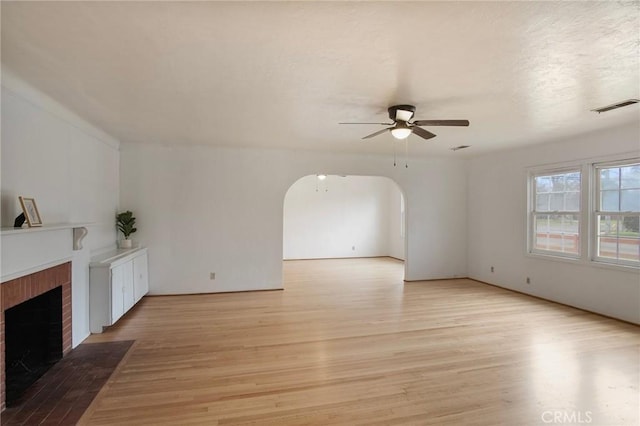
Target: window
x,y
617,213
559,219
555,213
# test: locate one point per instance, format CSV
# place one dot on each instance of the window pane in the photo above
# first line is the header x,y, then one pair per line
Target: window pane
x,y
543,184
542,203
609,178
630,200
630,176
629,249
619,238
556,202
572,201
570,224
541,238
557,182
609,201
631,224
607,226
629,240
617,235
572,181
608,237
570,230
557,233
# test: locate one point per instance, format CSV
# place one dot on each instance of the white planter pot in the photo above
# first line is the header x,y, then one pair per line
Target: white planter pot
x,y
125,243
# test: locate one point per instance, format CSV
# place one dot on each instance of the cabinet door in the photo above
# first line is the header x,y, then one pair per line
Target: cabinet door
x,y
128,292
117,287
140,276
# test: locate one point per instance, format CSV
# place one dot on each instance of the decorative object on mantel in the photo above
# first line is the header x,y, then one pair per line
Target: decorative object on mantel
x,y
30,211
125,222
19,221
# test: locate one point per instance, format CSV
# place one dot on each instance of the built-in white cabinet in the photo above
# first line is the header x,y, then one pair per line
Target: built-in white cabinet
x,y
141,277
117,281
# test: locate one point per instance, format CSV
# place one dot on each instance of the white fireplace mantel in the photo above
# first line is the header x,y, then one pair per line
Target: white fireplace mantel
x,y
45,228
29,250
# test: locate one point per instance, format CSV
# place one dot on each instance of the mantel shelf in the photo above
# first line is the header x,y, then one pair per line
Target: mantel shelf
x,y
44,228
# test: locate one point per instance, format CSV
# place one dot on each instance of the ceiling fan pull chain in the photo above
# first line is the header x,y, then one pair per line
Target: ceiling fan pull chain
x,y
406,153
394,153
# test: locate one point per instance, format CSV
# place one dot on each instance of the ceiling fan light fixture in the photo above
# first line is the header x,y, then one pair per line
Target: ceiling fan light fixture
x,y
322,177
401,132
402,126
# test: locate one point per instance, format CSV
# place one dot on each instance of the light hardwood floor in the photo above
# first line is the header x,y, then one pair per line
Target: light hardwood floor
x,y
347,342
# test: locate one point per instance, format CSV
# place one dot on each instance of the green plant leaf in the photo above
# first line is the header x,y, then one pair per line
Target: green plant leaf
x,y
125,222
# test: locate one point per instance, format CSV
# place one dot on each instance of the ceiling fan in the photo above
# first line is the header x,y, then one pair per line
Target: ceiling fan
x,y
402,125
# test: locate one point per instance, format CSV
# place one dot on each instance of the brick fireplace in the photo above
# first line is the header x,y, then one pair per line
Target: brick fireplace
x,y
28,287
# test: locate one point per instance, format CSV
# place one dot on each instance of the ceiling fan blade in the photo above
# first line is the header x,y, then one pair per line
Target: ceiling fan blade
x,y
382,124
379,132
441,122
425,134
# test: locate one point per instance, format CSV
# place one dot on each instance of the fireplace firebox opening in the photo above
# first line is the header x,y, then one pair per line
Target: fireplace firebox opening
x,y
33,341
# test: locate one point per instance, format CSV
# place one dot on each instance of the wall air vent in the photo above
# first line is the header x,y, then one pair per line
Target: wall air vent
x,y
616,106
455,148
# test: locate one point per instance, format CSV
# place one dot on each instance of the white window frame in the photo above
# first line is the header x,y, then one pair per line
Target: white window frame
x,y
531,216
595,212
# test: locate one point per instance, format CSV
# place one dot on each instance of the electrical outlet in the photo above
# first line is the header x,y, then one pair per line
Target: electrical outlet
x,y
528,280
492,269
353,248
212,275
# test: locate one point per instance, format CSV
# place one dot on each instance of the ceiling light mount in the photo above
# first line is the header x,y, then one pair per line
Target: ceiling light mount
x,y
401,112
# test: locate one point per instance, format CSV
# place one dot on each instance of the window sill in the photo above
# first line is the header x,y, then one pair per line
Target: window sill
x,y
616,266
554,258
584,262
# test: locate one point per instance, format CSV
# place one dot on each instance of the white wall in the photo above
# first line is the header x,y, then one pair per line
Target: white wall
x,y
497,220
68,166
339,217
210,209
396,221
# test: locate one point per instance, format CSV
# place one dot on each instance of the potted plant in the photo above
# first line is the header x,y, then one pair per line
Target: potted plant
x,y
125,222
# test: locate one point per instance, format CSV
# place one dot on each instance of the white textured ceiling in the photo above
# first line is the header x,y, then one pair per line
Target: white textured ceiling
x,y
283,74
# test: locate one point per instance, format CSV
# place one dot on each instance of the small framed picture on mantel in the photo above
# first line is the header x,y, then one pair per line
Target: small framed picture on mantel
x,y
30,211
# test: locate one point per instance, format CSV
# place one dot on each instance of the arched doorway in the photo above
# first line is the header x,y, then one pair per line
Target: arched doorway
x,y
337,216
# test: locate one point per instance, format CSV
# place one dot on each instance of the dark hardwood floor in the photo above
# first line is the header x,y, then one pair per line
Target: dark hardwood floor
x,y
62,395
